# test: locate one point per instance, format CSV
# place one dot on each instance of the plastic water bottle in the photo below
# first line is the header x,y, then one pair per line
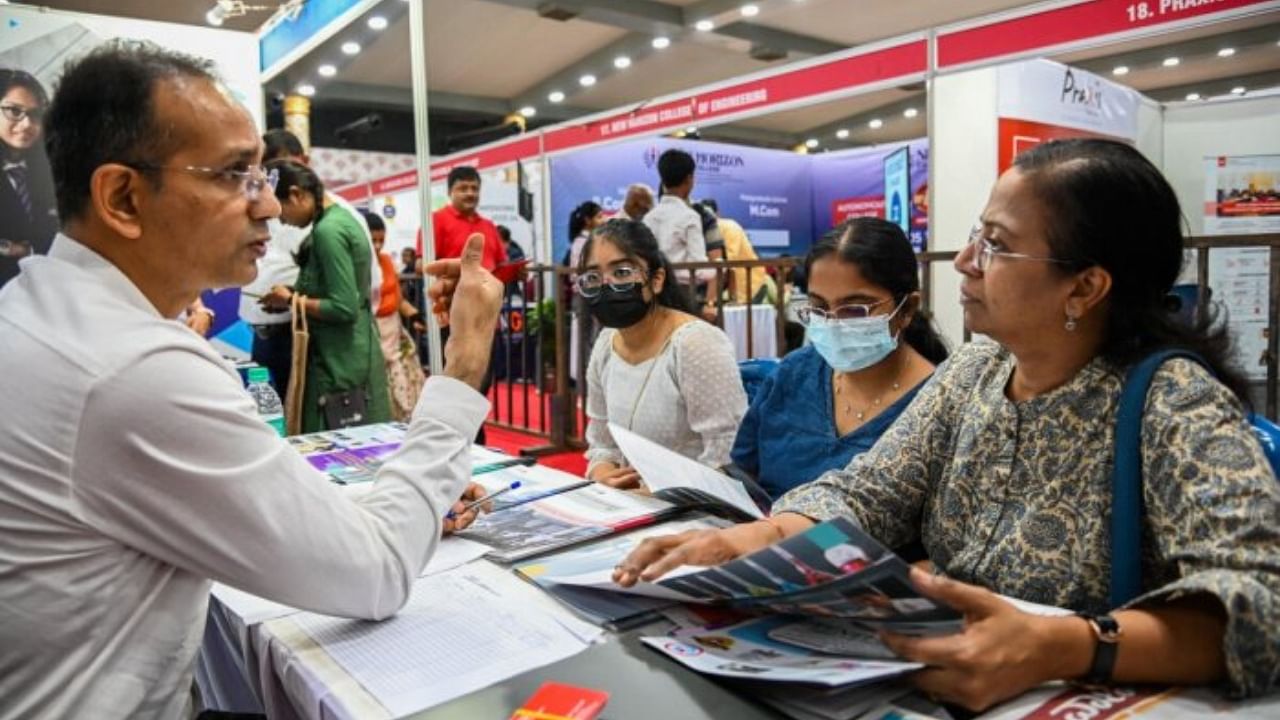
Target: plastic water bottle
x,y
269,405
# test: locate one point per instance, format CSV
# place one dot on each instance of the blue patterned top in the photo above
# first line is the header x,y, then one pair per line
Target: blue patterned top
x,y
789,436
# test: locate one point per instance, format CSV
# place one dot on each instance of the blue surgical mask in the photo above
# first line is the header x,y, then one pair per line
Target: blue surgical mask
x,y
854,344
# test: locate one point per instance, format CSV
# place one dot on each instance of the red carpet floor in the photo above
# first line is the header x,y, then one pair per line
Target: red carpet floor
x,y
509,406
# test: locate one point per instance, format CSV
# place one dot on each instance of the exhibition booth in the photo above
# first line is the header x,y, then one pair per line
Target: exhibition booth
x,y
914,128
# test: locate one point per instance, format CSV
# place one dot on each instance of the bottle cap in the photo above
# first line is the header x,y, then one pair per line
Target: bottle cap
x,y
259,375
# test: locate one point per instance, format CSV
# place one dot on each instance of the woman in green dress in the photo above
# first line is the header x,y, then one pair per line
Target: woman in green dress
x,y
345,373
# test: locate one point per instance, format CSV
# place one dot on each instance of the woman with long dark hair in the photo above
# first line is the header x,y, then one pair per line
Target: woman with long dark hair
x,y
871,349
655,369
584,218
1002,466
346,383
26,186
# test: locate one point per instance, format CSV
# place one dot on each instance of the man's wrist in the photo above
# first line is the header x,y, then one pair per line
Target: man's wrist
x,y
466,361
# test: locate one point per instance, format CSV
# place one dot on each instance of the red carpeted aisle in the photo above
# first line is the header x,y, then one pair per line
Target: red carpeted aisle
x,y
509,405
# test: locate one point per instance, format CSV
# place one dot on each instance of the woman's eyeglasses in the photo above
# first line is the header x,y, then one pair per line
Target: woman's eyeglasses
x,y
18,113
618,279
853,311
986,252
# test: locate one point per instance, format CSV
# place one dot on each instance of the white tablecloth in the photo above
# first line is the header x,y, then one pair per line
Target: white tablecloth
x,y
764,330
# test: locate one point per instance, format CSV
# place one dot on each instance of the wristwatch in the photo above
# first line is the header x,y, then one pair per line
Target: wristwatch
x,y
1108,632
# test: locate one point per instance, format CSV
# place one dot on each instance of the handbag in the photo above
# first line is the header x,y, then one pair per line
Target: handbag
x,y
1126,476
345,408
404,378
298,365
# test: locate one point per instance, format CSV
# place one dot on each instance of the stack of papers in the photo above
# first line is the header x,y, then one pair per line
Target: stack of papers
x,y
461,631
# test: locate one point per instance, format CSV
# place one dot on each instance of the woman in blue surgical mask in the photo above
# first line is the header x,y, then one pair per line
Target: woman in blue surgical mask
x,y
870,349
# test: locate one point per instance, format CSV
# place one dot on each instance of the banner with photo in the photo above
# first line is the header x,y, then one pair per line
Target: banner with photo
x,y
851,184
35,45
1242,197
767,191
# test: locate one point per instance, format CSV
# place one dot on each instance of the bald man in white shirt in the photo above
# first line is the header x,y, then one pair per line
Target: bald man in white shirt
x,y
133,466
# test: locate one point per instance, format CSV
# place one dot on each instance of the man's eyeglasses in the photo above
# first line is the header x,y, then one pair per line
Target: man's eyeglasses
x,y
986,252
618,279
252,181
17,113
810,314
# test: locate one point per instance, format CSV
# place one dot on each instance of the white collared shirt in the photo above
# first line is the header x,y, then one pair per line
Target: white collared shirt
x,y
678,229
134,469
276,267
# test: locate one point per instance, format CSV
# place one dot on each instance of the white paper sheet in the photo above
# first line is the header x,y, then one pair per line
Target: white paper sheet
x,y
662,468
456,635
453,552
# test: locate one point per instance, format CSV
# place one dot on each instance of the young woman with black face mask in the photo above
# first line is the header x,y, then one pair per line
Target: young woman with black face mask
x,y
655,369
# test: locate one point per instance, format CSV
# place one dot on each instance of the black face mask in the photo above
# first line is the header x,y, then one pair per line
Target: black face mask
x,y
619,309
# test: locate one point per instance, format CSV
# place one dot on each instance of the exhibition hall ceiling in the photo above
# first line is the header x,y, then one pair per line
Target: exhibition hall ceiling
x,y
561,59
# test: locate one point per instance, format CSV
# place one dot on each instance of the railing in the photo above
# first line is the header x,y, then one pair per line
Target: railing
x,y
543,391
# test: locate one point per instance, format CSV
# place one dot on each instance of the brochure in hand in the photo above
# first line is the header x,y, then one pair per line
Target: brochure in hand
x,y
833,570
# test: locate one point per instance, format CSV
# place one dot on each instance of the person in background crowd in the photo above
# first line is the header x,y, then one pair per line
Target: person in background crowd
x,y
514,252
871,350
404,374
584,218
452,225
408,261
199,317
272,331
282,144
637,202
678,227
137,467
655,369
345,375
26,188
1002,464
737,246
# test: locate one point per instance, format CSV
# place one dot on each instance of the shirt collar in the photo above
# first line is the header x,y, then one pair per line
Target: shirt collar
x,y
72,252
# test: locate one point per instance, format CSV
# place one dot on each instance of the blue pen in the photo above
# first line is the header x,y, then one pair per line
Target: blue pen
x,y
451,515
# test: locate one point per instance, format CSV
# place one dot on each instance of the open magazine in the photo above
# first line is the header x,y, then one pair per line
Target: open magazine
x,y
834,570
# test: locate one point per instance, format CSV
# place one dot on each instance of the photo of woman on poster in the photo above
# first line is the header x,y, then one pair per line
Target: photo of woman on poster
x,y
27,204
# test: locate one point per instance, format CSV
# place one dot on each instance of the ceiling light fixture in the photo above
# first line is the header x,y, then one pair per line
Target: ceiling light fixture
x,y
377,22
223,9
1120,70
1226,52
910,113
587,80
1170,62
350,48
622,62
750,10
1238,90
875,124
691,130
1192,97
661,43
556,96
215,16
704,26
327,70
528,111
842,133
306,90
811,143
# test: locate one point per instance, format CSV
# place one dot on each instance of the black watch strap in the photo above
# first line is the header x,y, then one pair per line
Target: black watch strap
x,y
1107,632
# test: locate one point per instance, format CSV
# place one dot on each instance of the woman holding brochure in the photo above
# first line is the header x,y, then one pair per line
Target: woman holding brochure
x,y
656,369
1002,465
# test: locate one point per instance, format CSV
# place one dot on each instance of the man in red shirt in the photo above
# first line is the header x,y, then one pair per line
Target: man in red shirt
x,y
458,220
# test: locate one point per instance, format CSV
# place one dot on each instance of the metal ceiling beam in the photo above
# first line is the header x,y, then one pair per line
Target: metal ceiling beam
x,y
392,98
778,39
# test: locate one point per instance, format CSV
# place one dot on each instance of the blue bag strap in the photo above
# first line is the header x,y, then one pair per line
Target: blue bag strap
x,y
1126,477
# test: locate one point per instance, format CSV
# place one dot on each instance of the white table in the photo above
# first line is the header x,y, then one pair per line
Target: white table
x,y
764,330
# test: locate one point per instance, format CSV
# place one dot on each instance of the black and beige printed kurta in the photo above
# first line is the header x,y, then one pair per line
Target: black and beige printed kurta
x,y
1016,497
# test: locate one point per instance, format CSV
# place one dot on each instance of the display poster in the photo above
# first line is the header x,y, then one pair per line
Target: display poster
x,y
897,188
1041,100
766,191
1242,196
851,184
35,45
